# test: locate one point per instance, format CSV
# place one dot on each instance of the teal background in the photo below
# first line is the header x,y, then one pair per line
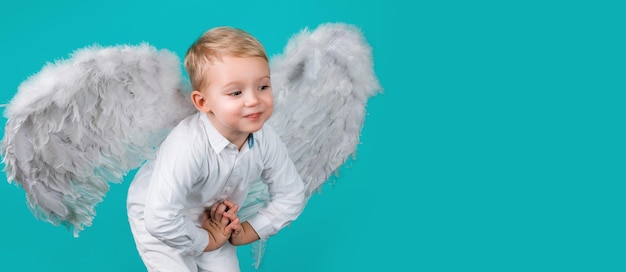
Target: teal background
x,y
497,145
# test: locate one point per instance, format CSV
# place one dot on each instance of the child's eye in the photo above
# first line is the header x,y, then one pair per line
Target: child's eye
x,y
235,93
264,87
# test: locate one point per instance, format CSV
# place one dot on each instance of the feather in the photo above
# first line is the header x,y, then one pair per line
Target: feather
x,y
257,198
82,123
324,79
321,84
258,249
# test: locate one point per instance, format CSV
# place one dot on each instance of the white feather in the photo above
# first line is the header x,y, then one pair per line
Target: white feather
x,y
321,83
86,121
82,123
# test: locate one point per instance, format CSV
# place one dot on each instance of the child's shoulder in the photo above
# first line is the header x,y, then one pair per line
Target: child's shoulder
x,y
268,138
187,128
266,131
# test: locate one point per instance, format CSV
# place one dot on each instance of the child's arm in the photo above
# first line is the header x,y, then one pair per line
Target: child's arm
x,y
285,186
176,169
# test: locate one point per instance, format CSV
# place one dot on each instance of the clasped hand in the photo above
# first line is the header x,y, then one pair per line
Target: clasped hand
x,y
221,222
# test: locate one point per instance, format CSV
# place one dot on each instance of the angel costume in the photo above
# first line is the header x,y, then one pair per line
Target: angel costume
x,y
82,123
195,167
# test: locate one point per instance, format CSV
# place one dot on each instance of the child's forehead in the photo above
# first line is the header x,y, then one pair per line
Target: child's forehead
x,y
234,67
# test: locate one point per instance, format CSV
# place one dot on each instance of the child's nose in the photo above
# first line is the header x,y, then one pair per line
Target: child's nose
x,y
252,99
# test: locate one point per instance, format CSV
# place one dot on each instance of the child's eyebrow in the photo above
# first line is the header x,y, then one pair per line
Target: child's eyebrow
x,y
237,82
230,84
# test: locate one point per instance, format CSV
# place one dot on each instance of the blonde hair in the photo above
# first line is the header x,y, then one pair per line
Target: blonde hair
x,y
215,44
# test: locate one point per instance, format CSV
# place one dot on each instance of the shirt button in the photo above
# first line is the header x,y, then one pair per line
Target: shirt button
x,y
227,189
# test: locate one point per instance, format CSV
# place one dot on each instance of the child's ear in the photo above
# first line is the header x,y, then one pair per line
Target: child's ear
x,y
198,100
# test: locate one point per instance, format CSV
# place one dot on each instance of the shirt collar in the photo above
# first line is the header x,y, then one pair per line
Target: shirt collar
x,y
218,141
250,140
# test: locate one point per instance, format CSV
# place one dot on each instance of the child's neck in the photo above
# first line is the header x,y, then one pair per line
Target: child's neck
x,y
240,144
236,138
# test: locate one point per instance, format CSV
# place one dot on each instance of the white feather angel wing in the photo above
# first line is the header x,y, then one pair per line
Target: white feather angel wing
x,y
81,123
324,80
322,83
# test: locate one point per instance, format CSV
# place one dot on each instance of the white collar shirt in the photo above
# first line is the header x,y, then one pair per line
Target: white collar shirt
x,y
196,166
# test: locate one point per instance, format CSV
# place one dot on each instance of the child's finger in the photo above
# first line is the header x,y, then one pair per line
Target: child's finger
x,y
231,206
234,225
235,208
213,210
224,221
231,215
219,212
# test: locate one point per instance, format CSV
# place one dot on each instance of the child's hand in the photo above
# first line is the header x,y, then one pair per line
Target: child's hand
x,y
237,237
220,221
231,214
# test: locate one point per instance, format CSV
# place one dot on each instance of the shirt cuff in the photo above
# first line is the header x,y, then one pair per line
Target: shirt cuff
x,y
199,242
262,225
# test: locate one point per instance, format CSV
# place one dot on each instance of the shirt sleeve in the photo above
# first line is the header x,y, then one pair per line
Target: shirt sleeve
x,y
177,168
285,186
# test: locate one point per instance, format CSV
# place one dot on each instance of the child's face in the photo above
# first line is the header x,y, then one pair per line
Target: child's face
x,y
239,95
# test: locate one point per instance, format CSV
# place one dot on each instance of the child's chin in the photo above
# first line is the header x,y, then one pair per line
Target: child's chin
x,y
253,128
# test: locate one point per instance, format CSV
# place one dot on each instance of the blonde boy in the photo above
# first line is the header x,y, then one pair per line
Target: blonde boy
x,y
182,206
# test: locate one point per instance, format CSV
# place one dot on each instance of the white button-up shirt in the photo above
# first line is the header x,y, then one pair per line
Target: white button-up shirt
x,y
196,166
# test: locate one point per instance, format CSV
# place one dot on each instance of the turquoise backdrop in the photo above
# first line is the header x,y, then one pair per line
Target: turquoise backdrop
x,y
499,143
